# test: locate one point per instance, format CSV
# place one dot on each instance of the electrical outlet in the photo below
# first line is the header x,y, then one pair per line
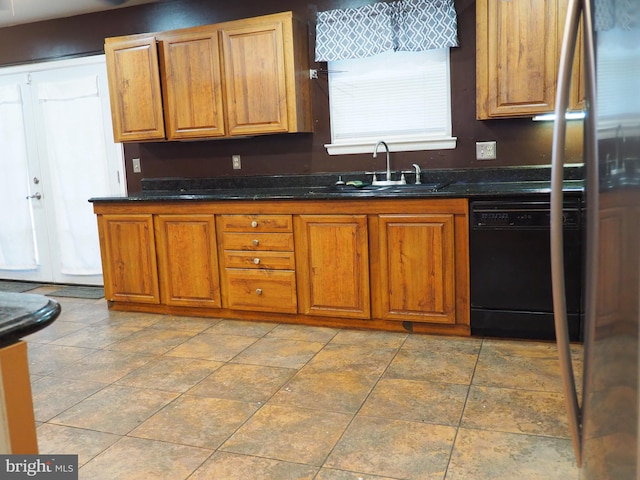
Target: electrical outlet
x,y
136,165
235,160
485,150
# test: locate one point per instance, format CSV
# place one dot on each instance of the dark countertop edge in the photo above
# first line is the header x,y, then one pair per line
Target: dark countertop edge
x,y
28,322
457,190
495,181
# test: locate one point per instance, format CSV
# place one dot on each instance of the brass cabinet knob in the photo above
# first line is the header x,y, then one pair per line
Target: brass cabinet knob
x,y
256,242
258,291
254,224
256,261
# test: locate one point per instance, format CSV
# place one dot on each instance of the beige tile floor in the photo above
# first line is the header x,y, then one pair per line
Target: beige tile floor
x,y
141,396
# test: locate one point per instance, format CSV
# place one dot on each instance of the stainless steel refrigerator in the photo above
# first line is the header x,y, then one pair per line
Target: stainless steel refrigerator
x,y
603,413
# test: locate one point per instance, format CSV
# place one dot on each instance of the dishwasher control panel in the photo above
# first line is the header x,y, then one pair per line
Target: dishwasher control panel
x,y
497,214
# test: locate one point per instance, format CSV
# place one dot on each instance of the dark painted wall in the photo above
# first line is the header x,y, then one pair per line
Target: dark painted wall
x,y
520,141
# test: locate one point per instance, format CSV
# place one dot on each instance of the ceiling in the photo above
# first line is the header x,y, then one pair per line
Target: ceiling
x,y
16,12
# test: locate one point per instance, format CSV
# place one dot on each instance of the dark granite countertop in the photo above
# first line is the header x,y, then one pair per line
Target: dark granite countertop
x,y
23,313
448,183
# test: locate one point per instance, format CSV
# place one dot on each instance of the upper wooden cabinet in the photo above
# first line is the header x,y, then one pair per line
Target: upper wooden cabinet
x,y
517,53
190,66
238,78
134,87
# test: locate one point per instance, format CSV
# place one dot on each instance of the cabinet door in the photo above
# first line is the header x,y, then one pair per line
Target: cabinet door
x,y
417,268
254,77
129,258
192,88
188,260
516,55
332,258
134,86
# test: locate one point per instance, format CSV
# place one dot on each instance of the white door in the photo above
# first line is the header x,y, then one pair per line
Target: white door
x,y
56,151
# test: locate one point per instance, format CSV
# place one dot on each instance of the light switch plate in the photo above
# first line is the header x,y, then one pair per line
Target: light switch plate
x,y
137,168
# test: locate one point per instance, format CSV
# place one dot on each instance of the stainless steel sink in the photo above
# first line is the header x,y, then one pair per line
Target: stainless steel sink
x,y
377,190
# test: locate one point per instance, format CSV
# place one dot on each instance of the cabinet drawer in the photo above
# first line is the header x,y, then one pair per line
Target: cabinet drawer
x,y
263,290
258,241
257,223
275,260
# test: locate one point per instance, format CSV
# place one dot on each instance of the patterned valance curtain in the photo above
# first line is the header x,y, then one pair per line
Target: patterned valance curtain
x,y
622,14
406,25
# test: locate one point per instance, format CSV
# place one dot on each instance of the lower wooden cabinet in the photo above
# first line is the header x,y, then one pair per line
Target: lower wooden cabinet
x,y
398,264
333,265
128,248
417,268
188,260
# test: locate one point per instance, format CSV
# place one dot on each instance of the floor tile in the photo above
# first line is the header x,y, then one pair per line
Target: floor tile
x,y
52,396
54,331
115,409
82,312
394,448
290,434
362,359
516,411
220,348
230,466
172,374
46,358
484,455
249,383
196,421
333,391
97,336
103,366
134,319
279,352
416,401
521,365
241,327
62,440
433,366
332,474
303,332
185,324
142,459
371,338
151,341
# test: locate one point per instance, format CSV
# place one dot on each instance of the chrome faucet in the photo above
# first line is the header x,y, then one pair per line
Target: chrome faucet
x,y
375,154
418,173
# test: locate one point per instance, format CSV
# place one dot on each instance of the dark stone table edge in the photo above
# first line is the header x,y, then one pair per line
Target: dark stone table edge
x,y
27,323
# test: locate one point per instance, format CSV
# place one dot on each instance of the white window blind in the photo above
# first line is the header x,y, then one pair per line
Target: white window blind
x,y
403,98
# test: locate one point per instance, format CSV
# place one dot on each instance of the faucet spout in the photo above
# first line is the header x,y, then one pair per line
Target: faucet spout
x,y
375,154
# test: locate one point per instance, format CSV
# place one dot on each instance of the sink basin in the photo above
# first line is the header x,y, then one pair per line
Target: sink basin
x,y
377,190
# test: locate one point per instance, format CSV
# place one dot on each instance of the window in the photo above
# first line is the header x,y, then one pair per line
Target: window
x,y
403,98
389,74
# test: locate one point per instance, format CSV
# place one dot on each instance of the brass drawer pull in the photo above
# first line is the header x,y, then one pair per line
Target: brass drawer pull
x,y
256,242
258,291
256,261
254,224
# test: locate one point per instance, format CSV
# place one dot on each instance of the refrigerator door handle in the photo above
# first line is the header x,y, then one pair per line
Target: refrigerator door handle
x,y
557,261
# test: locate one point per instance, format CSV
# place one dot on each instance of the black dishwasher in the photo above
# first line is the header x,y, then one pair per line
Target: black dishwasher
x,y
510,267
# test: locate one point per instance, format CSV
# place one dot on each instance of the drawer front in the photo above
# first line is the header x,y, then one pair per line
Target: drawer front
x,y
258,241
263,290
257,223
264,259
